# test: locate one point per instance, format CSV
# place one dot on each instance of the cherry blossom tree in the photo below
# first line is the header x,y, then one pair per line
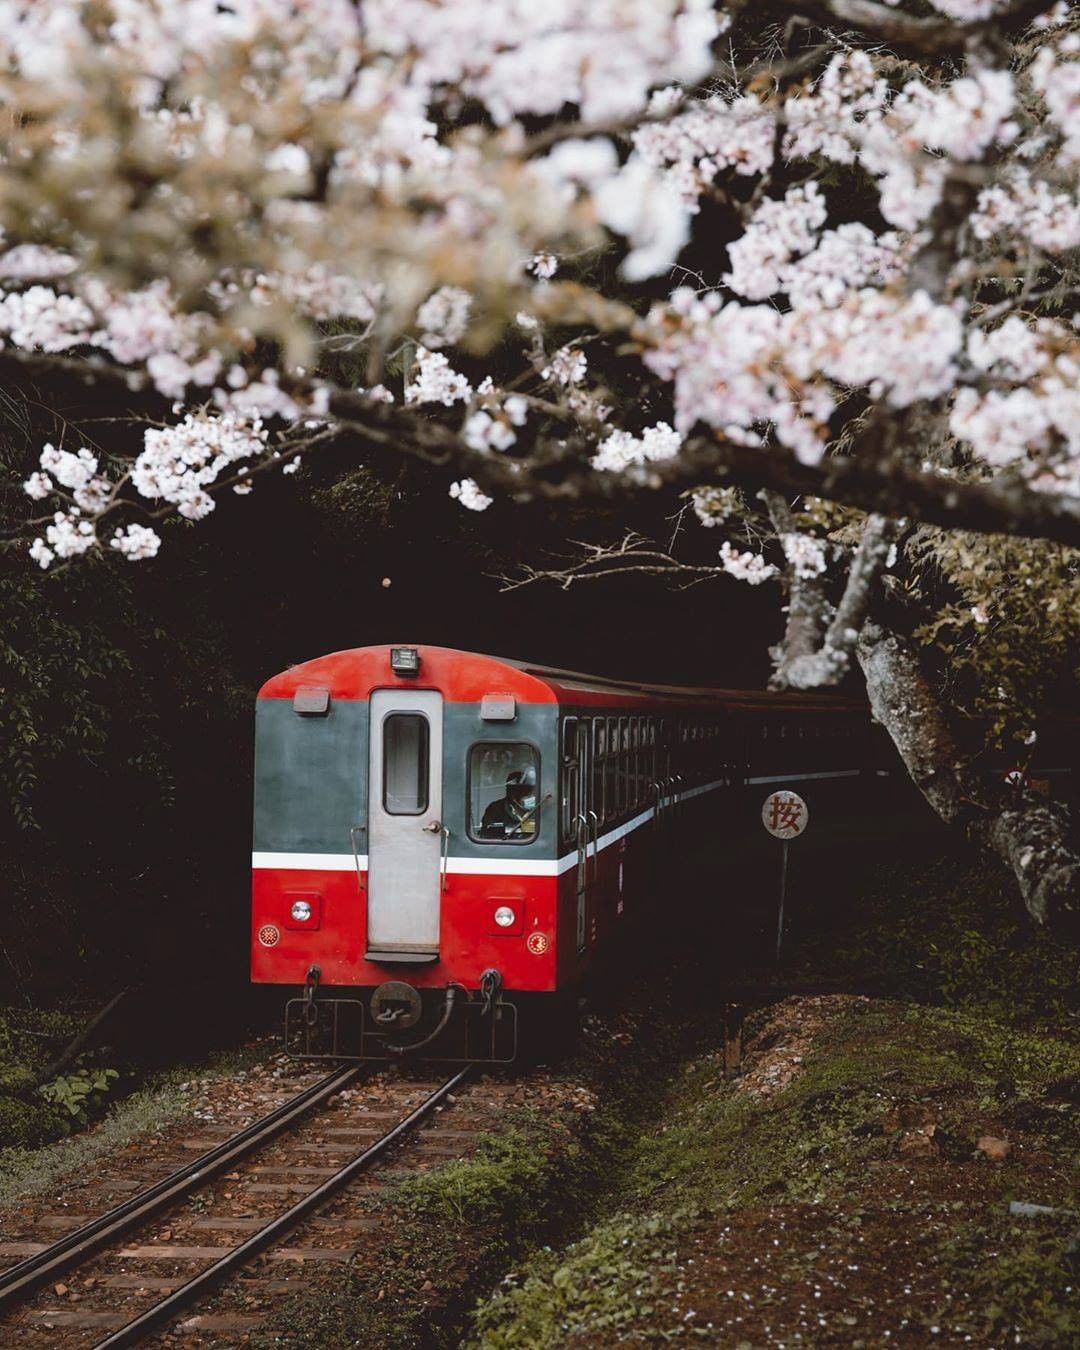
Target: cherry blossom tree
x,y
807,267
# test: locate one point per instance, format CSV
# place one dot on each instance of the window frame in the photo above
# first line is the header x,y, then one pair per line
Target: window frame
x,y
425,759
500,843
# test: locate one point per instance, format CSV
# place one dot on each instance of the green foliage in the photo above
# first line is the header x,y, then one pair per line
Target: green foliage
x,y
81,1094
949,929
500,1181
1008,668
605,1285
26,1124
1026,1293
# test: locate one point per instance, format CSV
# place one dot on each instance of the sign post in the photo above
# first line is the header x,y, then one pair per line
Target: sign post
x,y
785,816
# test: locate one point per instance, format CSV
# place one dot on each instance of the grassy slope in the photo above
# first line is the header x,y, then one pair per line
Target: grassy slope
x,y
814,1202
757,1218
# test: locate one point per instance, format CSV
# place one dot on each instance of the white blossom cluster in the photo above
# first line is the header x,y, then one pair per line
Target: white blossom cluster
x,y
443,318
1055,73
712,135
714,505
727,366
604,56
136,542
749,567
1029,208
747,368
35,262
467,492
567,367
492,427
178,463
317,179
435,381
805,554
620,450
41,318
904,141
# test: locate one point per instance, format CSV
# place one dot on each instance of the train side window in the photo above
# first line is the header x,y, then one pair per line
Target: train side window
x,y
635,761
624,763
571,793
611,762
599,750
405,764
504,792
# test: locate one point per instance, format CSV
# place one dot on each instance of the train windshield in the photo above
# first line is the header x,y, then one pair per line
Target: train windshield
x,y
504,799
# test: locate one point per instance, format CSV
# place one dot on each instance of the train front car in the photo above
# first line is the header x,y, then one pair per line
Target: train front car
x,y
405,868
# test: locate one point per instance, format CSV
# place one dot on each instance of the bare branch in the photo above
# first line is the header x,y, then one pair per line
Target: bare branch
x,y
632,555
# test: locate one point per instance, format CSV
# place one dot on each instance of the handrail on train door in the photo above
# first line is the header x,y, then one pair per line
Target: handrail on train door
x,y
354,830
595,845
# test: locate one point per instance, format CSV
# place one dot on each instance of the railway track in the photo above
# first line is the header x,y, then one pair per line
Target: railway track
x,y
88,1288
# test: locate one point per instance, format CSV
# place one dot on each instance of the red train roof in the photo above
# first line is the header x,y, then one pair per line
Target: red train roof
x,y
464,677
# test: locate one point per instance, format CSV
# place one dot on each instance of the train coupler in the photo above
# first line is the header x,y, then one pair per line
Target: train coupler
x,y
491,983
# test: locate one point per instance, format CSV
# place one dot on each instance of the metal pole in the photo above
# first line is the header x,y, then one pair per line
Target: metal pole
x,y
783,892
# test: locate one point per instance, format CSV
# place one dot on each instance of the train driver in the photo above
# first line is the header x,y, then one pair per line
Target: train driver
x,y
514,815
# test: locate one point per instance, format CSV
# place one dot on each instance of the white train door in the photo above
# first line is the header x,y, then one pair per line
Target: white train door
x,y
404,823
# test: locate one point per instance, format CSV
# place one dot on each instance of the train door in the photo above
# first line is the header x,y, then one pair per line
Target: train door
x,y
405,831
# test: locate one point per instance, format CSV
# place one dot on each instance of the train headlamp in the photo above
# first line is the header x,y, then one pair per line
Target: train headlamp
x,y
505,916
404,660
301,911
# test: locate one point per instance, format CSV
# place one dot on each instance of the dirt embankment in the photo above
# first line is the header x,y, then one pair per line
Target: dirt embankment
x,y
850,1187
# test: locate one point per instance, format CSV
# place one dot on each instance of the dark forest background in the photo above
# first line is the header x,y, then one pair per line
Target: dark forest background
x,y
127,690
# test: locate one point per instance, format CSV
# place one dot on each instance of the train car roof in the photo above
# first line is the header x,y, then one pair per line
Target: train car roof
x,y
466,677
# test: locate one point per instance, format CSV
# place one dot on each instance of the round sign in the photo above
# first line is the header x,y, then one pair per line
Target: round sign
x,y
537,943
784,815
1016,778
269,936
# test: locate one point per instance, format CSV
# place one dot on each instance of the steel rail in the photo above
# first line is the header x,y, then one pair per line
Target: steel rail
x,y
74,1248
169,1307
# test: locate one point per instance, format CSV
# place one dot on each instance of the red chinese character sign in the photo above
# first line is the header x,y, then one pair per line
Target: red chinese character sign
x,y
785,815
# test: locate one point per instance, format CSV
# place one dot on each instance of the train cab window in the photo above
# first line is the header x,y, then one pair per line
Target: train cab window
x,y
504,792
405,764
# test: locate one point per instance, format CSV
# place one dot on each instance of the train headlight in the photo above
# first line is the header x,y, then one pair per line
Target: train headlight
x,y
505,916
301,911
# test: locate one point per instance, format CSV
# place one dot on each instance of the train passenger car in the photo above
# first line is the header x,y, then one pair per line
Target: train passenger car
x,y
440,835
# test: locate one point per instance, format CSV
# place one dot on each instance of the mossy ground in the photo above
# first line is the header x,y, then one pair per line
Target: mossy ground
x,y
811,1216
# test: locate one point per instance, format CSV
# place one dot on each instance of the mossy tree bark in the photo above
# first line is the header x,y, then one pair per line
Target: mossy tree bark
x,y
1032,836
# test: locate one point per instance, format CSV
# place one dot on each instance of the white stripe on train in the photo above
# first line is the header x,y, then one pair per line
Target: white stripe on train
x,y
522,867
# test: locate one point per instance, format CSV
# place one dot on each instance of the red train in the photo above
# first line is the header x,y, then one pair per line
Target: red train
x,y
440,835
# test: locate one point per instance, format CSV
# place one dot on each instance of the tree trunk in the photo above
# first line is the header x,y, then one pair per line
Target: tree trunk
x,y
1030,835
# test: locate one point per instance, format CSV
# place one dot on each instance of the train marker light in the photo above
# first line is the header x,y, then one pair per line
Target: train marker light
x,y
505,916
301,911
404,660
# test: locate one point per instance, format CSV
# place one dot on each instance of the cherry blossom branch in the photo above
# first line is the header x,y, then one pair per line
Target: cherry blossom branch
x,y
918,37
